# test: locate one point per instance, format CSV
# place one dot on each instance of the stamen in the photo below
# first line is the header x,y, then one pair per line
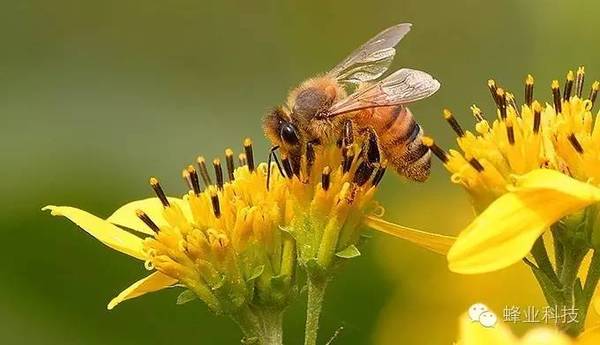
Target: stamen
x,y
579,81
218,172
379,175
326,178
192,178
510,132
594,92
214,198
249,154
575,143
159,192
144,218
512,103
287,166
242,159
501,99
493,91
363,173
568,86
347,158
475,164
204,172
537,117
556,96
477,113
230,166
453,123
529,90
437,151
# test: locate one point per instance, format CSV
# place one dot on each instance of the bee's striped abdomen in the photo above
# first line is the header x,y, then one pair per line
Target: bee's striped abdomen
x,y
400,141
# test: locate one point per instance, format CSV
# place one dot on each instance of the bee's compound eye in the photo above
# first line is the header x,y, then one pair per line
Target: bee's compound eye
x,y
289,134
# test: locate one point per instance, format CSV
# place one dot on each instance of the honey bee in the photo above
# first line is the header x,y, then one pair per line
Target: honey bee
x,y
320,111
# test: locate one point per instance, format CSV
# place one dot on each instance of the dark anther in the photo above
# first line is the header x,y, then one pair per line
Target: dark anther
x,y
579,81
326,178
347,158
204,172
575,143
477,113
218,172
501,96
363,173
537,118
144,218
568,86
159,192
249,154
192,178
475,164
242,159
529,90
230,166
594,92
510,134
556,96
453,123
214,198
437,151
493,91
347,134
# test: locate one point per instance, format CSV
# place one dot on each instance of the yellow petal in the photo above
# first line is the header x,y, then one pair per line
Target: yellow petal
x,y
125,216
434,242
105,232
473,333
545,336
154,282
591,336
505,232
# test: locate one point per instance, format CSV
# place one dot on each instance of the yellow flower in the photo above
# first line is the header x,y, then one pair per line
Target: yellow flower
x,y
473,333
235,244
527,169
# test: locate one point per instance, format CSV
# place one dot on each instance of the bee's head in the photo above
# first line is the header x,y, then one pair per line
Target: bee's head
x,y
281,130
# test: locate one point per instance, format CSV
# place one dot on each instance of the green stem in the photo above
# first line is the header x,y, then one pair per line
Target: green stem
x,y
543,261
272,329
248,323
316,292
591,281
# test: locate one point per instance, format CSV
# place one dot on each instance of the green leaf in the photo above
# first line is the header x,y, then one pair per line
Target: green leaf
x,y
256,272
186,296
350,252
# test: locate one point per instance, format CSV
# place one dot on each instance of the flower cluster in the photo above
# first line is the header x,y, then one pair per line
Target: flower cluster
x,y
236,238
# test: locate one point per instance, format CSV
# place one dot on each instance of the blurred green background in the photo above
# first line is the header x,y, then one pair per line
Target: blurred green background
x,y
96,96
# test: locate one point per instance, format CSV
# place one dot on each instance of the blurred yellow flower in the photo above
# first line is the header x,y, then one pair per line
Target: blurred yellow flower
x,y
473,333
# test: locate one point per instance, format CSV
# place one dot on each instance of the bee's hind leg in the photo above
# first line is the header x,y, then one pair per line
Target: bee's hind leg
x,y
370,157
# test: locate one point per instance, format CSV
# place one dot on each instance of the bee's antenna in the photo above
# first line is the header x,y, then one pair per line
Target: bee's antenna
x,y
273,155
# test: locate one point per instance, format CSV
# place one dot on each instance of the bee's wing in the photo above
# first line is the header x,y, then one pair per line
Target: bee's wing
x,y
401,87
372,59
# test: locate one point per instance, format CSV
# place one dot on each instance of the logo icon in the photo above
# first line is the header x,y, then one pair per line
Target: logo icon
x,y
479,312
